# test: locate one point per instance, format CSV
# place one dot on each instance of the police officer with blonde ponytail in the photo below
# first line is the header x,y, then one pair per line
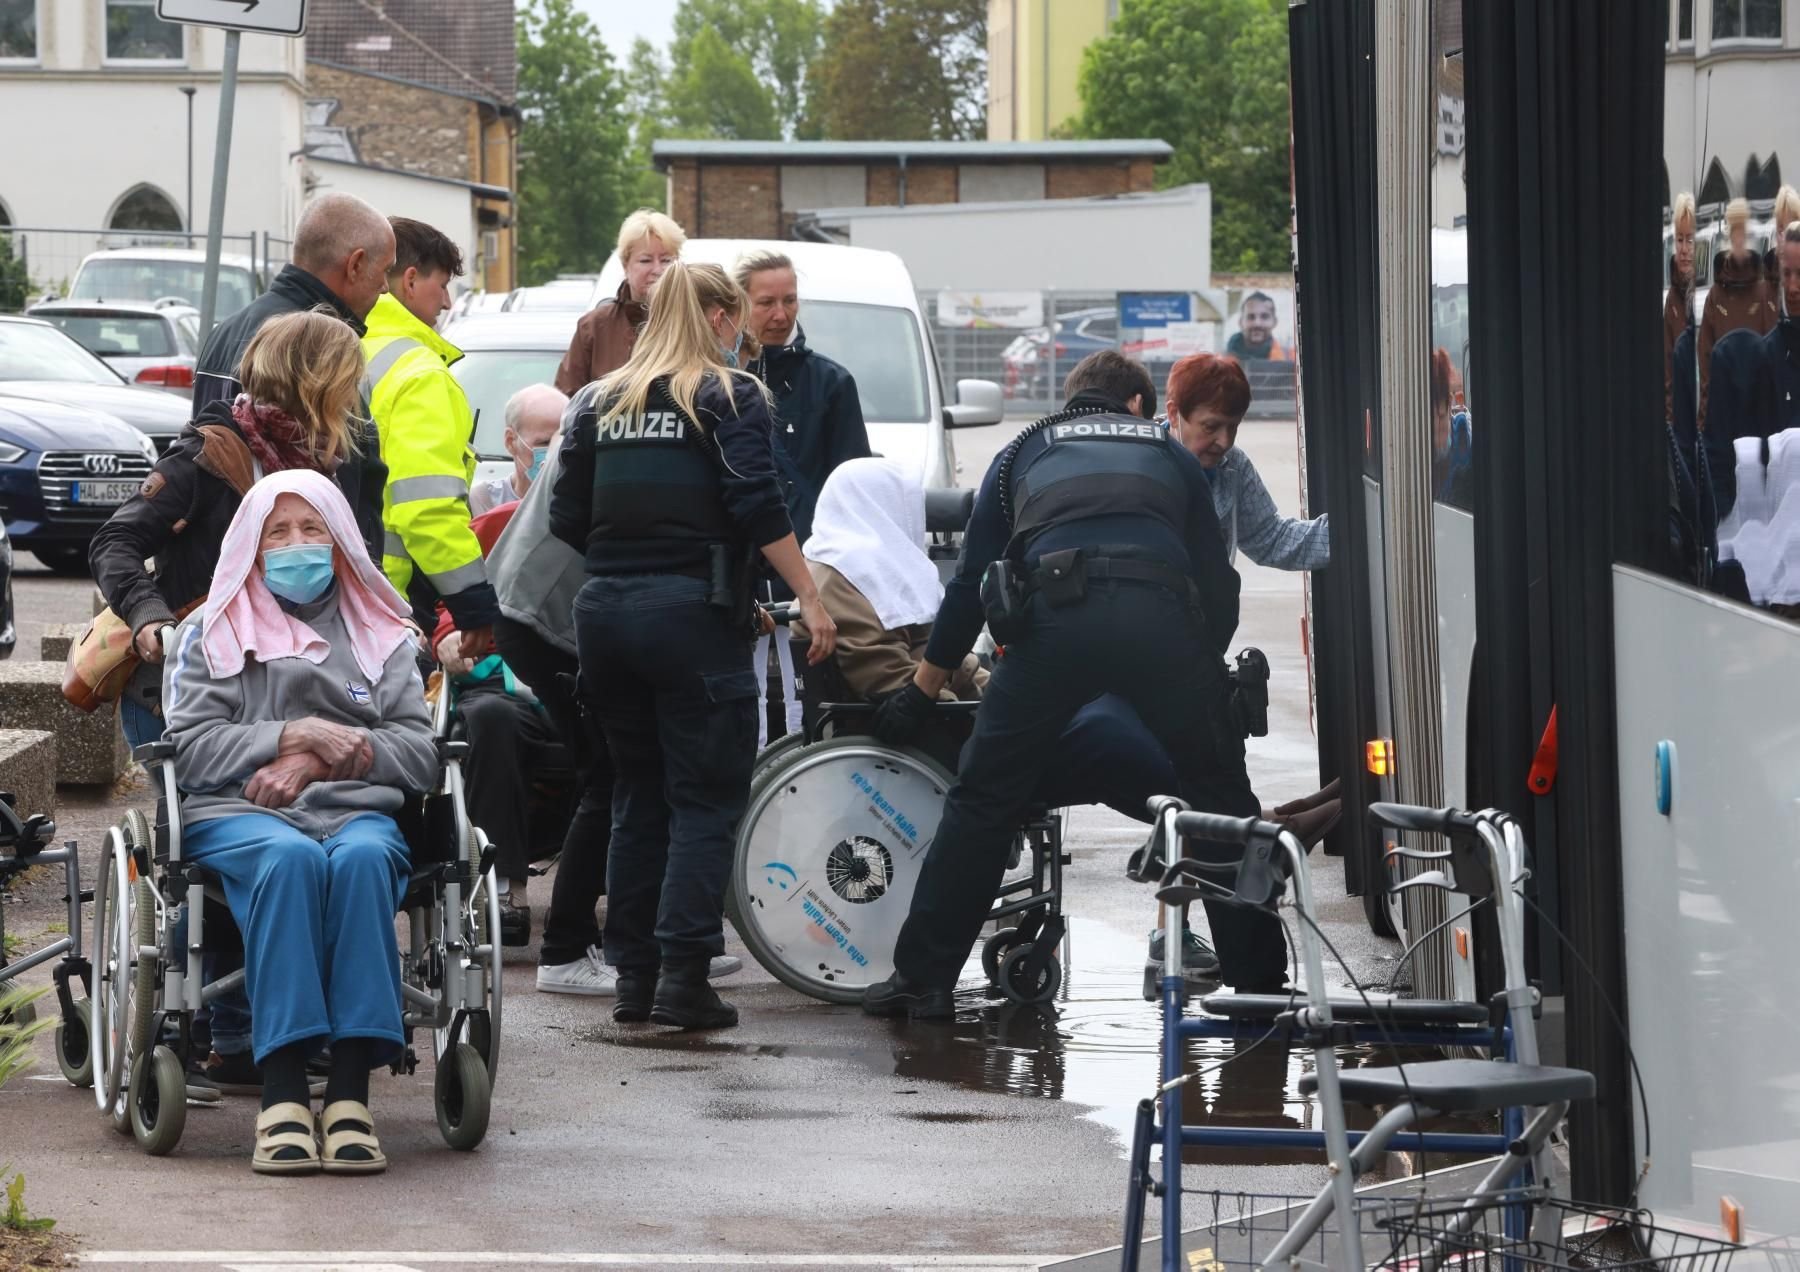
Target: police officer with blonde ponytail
x,y
668,485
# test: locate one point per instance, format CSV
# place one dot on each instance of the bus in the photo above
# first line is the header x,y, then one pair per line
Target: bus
x,y
1566,560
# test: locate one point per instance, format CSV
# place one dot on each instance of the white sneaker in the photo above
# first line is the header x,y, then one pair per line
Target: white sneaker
x,y
724,965
588,975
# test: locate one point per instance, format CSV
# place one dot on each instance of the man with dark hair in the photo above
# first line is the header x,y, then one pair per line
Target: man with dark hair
x,y
1119,585
428,552
1255,337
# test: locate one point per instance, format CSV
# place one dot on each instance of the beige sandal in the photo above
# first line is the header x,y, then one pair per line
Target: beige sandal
x,y
270,1141
348,1124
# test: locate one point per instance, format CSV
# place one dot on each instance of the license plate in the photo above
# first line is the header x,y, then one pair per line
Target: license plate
x,y
101,492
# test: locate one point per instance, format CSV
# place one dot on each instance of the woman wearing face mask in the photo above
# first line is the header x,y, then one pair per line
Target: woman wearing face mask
x,y
300,375
667,483
299,721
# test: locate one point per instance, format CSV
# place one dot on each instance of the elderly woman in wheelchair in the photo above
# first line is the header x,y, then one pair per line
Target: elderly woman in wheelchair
x,y
298,722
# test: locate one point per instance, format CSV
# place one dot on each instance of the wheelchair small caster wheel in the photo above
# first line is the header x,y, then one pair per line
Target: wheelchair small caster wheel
x,y
1018,986
463,1097
995,949
157,1100
74,1045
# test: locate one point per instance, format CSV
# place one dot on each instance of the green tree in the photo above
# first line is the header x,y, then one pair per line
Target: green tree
x,y
777,39
714,92
904,70
1210,78
15,282
647,105
575,160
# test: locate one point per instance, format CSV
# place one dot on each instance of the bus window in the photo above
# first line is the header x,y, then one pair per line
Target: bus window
x,y
1731,364
1452,438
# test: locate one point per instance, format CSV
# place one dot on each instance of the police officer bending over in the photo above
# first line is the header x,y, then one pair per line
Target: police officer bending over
x,y
668,485
1108,525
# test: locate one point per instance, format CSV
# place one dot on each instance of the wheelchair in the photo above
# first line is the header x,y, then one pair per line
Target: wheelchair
x,y
147,987
28,837
836,830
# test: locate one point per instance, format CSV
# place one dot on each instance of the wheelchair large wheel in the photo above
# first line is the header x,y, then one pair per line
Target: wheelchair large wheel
x,y
828,853
124,984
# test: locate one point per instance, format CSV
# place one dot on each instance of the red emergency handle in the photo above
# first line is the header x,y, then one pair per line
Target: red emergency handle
x,y
1543,766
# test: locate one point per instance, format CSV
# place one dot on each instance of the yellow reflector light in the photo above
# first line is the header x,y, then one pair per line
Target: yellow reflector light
x,y
1462,944
1380,753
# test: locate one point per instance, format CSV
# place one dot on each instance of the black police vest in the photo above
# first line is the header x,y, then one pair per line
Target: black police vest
x,y
657,478
1098,466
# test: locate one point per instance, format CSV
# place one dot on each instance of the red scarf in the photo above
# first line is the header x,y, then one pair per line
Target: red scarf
x,y
277,439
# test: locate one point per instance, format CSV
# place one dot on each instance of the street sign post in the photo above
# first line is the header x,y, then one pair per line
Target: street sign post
x,y
265,17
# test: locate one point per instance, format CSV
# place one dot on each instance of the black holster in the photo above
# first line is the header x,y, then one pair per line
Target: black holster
x,y
1250,693
732,584
1003,599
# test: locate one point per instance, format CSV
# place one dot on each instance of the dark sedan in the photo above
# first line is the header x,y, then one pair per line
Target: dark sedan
x,y
62,472
41,362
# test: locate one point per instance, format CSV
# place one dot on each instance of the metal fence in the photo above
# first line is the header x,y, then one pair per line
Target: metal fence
x,y
52,256
1030,366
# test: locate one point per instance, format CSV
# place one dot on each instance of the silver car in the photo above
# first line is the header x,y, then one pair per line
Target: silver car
x,y
155,344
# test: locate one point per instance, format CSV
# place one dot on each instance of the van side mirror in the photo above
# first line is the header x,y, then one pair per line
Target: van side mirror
x,y
978,402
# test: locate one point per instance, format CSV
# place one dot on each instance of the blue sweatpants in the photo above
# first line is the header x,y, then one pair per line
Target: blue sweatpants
x,y
320,959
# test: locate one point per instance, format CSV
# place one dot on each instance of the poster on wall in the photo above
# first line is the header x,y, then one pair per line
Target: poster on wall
x,y
1260,325
986,309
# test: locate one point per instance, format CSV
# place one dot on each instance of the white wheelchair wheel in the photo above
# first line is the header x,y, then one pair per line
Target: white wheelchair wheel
x,y
828,854
113,957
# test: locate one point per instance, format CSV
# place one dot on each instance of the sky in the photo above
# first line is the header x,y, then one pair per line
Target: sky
x,y
623,21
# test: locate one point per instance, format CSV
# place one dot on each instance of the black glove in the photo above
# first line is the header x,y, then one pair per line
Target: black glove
x,y
899,717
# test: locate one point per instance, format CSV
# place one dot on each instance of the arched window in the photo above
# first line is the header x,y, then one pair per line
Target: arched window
x,y
144,208
5,216
1762,180
1668,200
1717,187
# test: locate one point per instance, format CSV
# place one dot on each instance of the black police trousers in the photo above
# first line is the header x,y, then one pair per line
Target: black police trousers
x,y
1139,641
668,677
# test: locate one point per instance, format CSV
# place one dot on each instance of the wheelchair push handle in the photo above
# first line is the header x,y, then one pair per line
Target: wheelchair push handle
x,y
1440,821
783,613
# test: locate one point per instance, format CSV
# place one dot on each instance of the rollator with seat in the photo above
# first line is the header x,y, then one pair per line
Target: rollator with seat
x,y
1511,1209
29,838
148,984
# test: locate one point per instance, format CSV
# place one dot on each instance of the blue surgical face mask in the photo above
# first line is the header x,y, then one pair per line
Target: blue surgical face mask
x,y
731,354
299,572
538,455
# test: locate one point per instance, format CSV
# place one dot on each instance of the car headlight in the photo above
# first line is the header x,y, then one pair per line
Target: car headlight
x,y
10,454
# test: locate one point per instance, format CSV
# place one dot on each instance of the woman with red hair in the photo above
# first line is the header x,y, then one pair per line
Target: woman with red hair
x,y
1207,397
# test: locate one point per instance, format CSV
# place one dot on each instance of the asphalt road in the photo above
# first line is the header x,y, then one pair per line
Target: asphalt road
x,y
810,1136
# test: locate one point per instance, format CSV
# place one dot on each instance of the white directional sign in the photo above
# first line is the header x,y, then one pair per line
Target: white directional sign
x,y
269,17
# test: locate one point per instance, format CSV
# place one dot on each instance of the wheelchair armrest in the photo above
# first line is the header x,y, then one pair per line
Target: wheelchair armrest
x,y
451,749
153,752
954,708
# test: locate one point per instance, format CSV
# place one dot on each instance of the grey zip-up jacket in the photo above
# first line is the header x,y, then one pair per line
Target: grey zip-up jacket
x,y
225,730
535,573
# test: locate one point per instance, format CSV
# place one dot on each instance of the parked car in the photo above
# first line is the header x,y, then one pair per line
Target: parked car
x,y
1027,360
39,361
63,469
858,306
502,353
9,632
575,294
152,343
153,273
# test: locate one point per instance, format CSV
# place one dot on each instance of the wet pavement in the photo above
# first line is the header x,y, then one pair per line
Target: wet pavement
x,y
809,1136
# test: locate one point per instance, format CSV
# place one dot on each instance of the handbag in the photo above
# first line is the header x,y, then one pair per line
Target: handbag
x,y
103,661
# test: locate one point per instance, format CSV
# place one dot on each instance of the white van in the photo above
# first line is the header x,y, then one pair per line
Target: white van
x,y
858,307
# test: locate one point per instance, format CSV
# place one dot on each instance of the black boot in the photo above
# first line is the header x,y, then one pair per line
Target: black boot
x,y
686,1000
635,991
897,996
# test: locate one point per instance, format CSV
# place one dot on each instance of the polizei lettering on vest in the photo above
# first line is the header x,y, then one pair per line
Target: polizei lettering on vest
x,y
651,426
1084,430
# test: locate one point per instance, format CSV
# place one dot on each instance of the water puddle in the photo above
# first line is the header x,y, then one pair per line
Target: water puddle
x,y
1095,1046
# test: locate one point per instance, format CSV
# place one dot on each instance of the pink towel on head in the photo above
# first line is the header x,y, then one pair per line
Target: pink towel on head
x,y
242,617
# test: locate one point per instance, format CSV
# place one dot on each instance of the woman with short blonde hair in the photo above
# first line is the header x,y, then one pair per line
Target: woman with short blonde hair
x,y
649,242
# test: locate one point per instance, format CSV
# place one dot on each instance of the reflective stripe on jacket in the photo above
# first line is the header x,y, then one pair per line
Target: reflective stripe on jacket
x,y
426,428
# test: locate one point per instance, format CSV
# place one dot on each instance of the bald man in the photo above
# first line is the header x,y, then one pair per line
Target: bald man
x,y
533,417
343,249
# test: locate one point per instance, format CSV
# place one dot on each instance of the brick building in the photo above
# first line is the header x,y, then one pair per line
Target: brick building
x,y
411,104
759,189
